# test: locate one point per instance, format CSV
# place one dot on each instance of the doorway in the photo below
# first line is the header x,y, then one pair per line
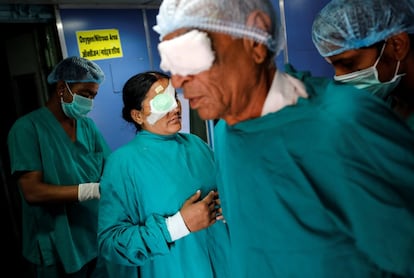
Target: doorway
x,y
28,52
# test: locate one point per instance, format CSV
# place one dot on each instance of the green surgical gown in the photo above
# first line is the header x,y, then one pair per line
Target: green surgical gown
x,y
144,182
323,188
37,142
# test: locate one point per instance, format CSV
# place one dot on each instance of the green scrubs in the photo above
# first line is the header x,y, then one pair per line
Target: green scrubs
x,y
323,188
65,233
144,182
410,121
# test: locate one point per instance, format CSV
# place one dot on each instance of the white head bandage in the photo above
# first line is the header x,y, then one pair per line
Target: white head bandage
x,y
163,102
188,54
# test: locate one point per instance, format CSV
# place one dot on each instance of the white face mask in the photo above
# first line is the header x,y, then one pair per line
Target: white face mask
x,y
368,80
78,108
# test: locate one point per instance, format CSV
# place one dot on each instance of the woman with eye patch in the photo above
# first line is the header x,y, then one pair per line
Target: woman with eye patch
x,y
159,207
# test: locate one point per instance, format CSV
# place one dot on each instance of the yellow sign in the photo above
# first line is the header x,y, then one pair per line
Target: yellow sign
x,y
99,44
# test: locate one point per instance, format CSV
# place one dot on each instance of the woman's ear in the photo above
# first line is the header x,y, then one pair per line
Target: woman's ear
x,y
400,45
136,116
259,20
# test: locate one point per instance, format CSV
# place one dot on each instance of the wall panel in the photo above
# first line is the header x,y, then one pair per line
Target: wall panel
x,y
139,54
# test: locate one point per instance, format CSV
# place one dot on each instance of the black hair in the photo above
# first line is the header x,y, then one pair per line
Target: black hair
x,y
135,91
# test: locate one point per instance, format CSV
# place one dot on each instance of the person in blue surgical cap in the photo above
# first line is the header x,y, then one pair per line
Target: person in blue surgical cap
x,y
369,43
57,156
315,179
159,206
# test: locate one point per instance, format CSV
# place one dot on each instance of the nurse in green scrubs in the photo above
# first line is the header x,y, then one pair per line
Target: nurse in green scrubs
x,y
57,155
369,44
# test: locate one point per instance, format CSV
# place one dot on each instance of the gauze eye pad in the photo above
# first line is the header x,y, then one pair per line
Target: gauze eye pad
x,y
162,103
188,54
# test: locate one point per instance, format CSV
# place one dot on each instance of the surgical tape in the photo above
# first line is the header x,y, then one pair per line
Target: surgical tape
x,y
88,191
188,54
162,103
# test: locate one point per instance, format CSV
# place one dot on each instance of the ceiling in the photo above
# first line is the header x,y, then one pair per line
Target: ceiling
x,y
89,3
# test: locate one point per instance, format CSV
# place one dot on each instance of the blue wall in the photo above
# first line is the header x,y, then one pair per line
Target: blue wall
x,y
301,51
141,55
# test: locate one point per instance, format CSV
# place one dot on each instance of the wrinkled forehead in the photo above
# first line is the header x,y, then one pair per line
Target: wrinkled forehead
x,y
177,33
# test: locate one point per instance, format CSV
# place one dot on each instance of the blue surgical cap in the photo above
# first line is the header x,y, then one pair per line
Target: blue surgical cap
x,y
76,70
351,24
223,16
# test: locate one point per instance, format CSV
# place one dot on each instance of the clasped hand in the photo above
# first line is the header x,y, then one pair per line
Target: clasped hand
x,y
200,214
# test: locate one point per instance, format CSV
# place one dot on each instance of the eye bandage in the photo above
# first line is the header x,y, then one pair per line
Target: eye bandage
x,y
162,103
188,54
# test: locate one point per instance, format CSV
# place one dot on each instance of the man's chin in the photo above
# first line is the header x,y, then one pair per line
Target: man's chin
x,y
206,114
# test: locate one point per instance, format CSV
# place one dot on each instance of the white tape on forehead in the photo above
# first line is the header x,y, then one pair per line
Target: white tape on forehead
x,y
187,54
159,89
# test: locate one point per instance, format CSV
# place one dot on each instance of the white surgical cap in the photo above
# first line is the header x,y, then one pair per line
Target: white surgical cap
x,y
223,16
351,24
76,70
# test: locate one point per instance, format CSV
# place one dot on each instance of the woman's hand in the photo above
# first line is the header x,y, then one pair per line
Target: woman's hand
x,y
200,214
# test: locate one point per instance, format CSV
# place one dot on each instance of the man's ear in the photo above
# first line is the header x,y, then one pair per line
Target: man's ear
x,y
259,20
60,87
401,45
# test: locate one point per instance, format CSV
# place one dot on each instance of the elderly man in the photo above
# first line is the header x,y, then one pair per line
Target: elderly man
x,y
306,187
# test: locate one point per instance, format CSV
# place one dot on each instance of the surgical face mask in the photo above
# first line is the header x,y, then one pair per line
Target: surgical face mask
x,y
78,108
188,54
162,103
368,80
